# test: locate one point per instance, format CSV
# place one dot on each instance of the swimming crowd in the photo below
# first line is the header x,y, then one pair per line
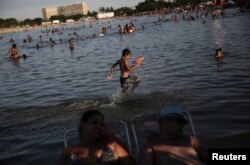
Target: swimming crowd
x,y
47,38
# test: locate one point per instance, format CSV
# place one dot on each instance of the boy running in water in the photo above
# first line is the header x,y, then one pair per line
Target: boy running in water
x,y
125,69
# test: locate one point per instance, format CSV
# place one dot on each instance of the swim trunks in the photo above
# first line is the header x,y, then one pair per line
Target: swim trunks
x,y
125,82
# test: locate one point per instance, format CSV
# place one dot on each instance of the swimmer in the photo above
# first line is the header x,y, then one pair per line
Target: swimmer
x,y
71,45
13,52
41,39
219,53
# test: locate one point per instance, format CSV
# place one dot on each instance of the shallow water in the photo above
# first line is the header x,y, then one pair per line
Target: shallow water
x,y
43,96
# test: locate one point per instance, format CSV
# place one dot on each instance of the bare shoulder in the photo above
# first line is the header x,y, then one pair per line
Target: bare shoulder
x,y
71,150
193,140
118,62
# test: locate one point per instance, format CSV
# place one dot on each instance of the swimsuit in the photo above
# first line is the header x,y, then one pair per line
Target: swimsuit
x,y
108,157
125,82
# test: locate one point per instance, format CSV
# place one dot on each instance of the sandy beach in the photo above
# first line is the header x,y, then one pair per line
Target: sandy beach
x,y
19,29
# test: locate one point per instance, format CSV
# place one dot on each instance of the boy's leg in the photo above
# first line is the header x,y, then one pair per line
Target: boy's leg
x,y
135,81
124,84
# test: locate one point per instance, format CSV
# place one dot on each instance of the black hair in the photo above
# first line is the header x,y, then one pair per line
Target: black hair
x,y
86,116
13,45
125,52
89,114
217,50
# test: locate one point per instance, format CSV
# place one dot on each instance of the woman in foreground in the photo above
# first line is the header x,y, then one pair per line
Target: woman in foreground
x,y
96,148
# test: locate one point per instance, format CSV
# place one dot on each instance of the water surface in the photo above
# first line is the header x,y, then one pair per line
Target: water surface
x,y
43,96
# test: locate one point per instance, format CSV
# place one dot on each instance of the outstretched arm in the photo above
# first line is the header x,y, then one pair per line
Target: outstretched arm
x,y
134,66
112,70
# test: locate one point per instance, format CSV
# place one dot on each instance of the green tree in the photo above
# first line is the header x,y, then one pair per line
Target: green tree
x,y
27,22
61,18
9,22
2,23
148,5
124,11
75,17
109,9
101,9
188,2
92,14
38,21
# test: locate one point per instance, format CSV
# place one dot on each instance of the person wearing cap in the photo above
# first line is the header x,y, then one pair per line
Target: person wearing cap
x,y
125,69
172,146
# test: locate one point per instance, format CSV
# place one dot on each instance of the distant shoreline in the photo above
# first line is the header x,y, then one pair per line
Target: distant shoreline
x,y
19,29
30,28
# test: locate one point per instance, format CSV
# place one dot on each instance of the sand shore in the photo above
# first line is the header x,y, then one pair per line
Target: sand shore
x,y
19,29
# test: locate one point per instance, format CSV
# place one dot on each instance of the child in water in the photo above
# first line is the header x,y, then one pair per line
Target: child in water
x,y
219,53
13,52
125,69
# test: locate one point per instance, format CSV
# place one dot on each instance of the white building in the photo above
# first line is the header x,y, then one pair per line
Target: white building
x,y
105,15
66,10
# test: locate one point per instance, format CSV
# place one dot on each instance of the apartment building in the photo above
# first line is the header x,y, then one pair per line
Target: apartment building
x,y
66,10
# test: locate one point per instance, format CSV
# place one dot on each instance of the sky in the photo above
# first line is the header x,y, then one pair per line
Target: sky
x,y
22,9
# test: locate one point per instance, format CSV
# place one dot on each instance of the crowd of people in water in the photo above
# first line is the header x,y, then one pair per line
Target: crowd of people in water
x,y
48,36
56,35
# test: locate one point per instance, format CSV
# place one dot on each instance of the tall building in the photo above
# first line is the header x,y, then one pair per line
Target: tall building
x,y
48,12
66,10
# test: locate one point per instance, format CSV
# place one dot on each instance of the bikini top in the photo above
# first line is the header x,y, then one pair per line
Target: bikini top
x,y
108,157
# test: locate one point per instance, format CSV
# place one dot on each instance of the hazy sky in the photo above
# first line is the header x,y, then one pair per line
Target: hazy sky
x,y
22,9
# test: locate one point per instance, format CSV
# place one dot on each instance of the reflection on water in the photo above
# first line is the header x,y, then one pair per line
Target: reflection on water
x,y
43,96
218,33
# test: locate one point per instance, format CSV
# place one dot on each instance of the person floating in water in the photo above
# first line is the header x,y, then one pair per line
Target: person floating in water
x,y
13,52
125,69
219,53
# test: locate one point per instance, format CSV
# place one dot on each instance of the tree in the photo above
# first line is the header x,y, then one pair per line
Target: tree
x,y
2,23
38,21
27,22
101,9
148,5
109,9
61,18
93,14
124,11
9,22
75,17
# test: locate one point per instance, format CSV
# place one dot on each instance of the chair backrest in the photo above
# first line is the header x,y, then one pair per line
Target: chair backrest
x,y
145,129
117,128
